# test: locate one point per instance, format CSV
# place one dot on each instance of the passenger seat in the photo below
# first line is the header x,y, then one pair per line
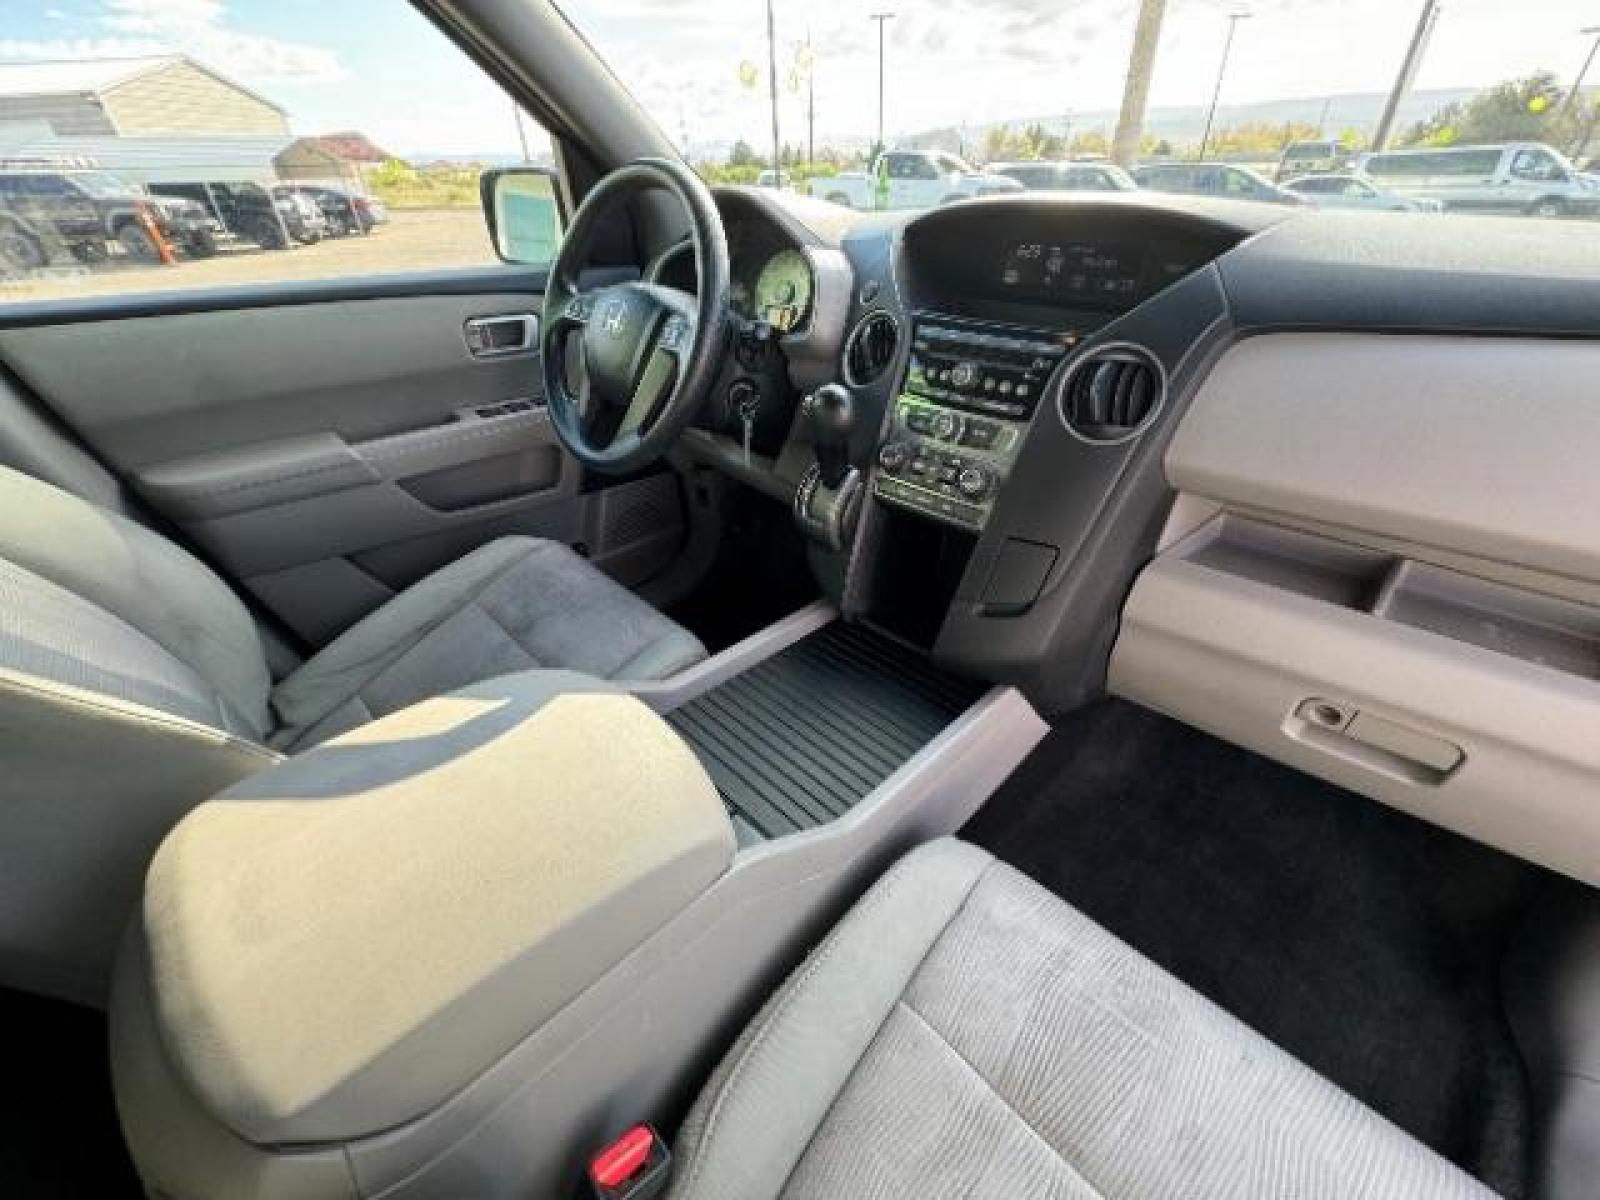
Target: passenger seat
x,y
964,1034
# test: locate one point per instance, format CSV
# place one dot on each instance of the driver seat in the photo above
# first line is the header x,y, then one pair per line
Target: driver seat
x,y
133,685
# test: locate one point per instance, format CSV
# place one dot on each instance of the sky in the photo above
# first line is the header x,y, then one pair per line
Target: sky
x,y
376,66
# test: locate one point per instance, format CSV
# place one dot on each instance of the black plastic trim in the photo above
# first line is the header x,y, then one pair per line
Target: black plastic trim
x,y
799,739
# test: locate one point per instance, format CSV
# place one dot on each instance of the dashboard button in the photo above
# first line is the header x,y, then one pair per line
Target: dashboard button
x,y
894,457
964,374
981,433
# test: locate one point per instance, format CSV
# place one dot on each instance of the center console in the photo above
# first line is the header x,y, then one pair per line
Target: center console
x,y
959,419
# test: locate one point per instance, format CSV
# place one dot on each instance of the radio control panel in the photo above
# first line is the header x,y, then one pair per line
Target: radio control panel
x,y
960,418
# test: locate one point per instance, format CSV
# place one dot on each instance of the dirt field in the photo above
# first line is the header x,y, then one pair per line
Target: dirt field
x,y
412,241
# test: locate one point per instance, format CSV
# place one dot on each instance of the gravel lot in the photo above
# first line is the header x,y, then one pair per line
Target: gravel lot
x,y
413,240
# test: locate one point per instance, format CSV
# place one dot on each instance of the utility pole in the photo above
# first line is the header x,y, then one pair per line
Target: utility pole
x,y
1222,70
1583,72
1322,121
810,63
772,88
1408,73
881,18
1136,90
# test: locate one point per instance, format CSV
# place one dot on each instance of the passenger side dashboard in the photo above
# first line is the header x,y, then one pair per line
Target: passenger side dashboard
x,y
1395,578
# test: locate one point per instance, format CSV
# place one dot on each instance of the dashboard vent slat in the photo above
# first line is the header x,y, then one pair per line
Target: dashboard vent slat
x,y
870,349
1112,394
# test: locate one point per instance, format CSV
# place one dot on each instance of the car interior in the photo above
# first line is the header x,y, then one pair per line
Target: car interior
x,y
1052,695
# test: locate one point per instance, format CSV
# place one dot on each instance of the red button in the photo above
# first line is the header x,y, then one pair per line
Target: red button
x,y
620,1161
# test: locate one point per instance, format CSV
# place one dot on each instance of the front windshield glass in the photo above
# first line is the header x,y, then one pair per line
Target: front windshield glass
x,y
1492,108
101,183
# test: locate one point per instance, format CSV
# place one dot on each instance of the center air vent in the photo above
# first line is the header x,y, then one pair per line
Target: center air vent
x,y
869,350
1112,394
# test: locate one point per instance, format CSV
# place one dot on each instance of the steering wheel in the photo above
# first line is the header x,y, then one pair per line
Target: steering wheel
x,y
651,354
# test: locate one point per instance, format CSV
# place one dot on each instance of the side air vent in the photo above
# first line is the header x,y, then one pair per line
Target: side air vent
x,y
1113,394
869,350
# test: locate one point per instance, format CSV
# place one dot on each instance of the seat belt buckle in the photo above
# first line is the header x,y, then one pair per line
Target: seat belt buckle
x,y
637,1166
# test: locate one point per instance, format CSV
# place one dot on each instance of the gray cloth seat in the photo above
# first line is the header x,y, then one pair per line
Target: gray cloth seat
x,y
111,635
964,1033
516,604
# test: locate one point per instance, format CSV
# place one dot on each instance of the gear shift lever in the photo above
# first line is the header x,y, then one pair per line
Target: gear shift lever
x,y
832,414
828,500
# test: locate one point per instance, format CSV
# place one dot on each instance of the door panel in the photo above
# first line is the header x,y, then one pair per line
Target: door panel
x,y
328,454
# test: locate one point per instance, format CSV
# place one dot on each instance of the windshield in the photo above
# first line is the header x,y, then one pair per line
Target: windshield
x,y
103,184
828,87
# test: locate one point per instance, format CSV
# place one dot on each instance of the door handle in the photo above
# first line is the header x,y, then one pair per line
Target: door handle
x,y
492,337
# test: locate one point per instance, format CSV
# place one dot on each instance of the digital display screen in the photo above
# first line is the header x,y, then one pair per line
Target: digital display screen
x,y
1073,271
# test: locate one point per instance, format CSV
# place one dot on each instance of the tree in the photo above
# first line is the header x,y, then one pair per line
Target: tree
x,y
1093,142
743,156
1518,110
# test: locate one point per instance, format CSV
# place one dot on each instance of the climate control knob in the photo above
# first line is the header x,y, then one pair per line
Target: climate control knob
x,y
894,456
946,426
974,482
964,374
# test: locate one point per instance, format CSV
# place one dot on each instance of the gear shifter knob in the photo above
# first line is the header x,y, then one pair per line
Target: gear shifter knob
x,y
832,414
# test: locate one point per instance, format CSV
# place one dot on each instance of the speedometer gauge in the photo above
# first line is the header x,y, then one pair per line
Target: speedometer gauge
x,y
783,291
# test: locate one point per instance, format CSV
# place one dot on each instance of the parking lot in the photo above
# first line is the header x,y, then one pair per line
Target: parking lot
x,y
413,240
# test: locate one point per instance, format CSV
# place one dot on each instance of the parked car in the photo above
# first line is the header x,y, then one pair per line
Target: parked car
x,y
1067,176
246,210
83,210
346,212
1321,156
781,180
1352,191
1529,178
1213,179
22,247
915,179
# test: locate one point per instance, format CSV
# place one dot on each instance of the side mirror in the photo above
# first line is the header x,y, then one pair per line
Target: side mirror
x,y
523,209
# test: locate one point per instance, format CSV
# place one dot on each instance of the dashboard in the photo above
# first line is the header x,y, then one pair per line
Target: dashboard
x,y
1226,460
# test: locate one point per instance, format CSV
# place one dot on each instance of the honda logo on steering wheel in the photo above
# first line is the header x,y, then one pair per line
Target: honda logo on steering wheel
x,y
613,316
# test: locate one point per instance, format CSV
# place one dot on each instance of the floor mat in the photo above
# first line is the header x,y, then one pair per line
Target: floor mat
x,y
1364,942
58,1125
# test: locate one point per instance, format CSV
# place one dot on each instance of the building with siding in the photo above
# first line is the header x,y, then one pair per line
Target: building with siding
x,y
167,96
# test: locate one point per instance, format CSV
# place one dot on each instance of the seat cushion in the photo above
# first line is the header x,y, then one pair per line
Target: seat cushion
x,y
964,1033
516,604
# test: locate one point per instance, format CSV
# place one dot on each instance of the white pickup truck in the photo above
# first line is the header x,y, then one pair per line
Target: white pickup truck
x,y
912,179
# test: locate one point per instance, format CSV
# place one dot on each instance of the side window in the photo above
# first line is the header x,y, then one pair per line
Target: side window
x,y
1536,165
922,168
308,150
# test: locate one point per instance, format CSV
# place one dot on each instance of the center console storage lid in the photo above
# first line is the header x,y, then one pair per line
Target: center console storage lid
x,y
340,943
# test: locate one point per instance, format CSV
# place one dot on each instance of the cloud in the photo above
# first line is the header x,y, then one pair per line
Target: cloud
x,y
198,28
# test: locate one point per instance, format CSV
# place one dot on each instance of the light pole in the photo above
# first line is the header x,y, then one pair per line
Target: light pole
x,y
772,88
882,18
1408,73
1592,31
1222,70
